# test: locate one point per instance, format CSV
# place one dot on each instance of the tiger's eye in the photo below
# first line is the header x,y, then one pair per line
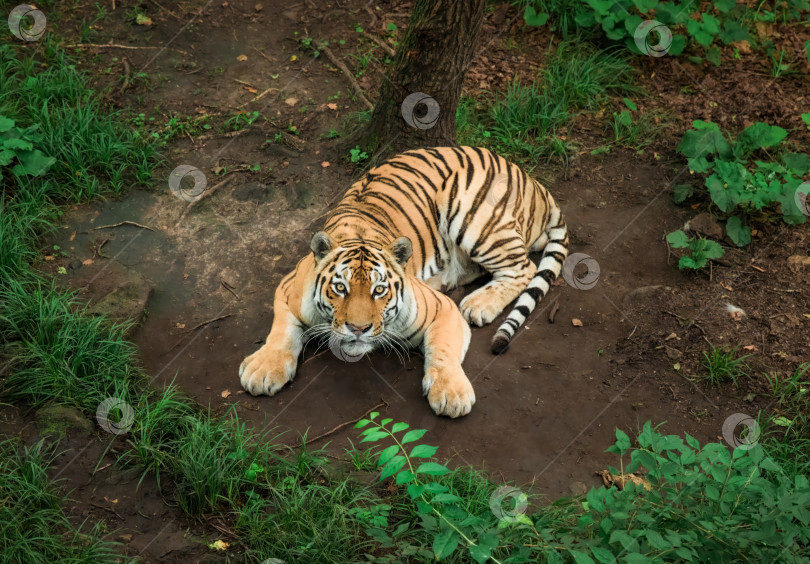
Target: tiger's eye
x,y
340,287
379,290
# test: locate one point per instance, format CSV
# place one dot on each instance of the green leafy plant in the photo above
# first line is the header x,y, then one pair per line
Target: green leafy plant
x,y
17,149
723,364
740,185
357,155
699,251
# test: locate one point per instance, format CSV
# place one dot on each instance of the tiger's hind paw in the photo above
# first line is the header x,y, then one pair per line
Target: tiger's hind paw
x,y
480,307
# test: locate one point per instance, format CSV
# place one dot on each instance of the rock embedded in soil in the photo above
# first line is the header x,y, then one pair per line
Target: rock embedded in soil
x,y
704,224
127,300
796,263
644,293
57,420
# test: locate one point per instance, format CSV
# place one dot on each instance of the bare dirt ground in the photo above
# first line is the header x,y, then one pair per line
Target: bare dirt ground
x,y
547,409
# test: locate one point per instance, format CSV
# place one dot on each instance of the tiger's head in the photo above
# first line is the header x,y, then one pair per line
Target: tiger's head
x,y
359,286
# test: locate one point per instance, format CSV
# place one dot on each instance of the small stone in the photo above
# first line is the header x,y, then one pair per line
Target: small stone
x,y
798,262
126,301
577,488
59,419
75,264
673,354
704,224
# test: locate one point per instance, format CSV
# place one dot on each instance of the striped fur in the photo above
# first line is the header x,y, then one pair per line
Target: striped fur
x,y
422,221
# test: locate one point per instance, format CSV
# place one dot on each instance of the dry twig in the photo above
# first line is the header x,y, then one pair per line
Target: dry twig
x,y
123,223
347,423
205,194
339,64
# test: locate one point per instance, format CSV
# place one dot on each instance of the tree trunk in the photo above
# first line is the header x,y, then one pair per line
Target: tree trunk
x,y
416,105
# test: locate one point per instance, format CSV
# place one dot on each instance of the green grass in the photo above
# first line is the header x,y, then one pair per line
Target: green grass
x,y
95,151
530,121
35,529
786,429
722,364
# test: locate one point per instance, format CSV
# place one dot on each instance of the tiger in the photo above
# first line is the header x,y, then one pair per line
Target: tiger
x,y
422,221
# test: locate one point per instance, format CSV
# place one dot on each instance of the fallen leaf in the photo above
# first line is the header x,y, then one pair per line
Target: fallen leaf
x,y
807,315
85,262
291,101
325,164
180,325
330,105
576,322
241,58
72,236
750,348
727,288
294,58
225,393
258,7
621,480
126,537
676,366
249,89
49,257
219,545
185,275
141,19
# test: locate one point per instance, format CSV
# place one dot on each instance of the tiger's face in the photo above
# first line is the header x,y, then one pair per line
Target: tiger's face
x,y
360,288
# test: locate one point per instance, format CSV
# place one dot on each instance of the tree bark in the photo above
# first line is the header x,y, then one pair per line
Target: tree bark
x,y
416,105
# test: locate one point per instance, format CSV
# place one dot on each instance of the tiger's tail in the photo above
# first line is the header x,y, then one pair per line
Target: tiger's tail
x,y
549,268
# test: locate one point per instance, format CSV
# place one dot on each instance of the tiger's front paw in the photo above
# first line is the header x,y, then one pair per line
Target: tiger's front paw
x,y
449,392
481,307
265,372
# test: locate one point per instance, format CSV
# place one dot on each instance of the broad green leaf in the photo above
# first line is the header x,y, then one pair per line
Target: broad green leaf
x,y
393,466
423,451
733,31
581,558
709,249
397,427
760,135
680,192
18,144
622,441
373,437
415,490
797,163
603,555
630,104
413,435
725,5
445,543
33,163
404,477
737,232
534,18
432,469
705,139
387,454
713,56
362,423
480,553
5,124
689,262
445,498
656,540
722,196
678,239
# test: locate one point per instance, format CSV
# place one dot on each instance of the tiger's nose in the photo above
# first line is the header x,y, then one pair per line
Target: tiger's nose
x,y
358,329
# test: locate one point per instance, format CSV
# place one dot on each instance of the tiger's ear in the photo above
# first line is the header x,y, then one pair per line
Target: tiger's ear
x,y
320,245
402,249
